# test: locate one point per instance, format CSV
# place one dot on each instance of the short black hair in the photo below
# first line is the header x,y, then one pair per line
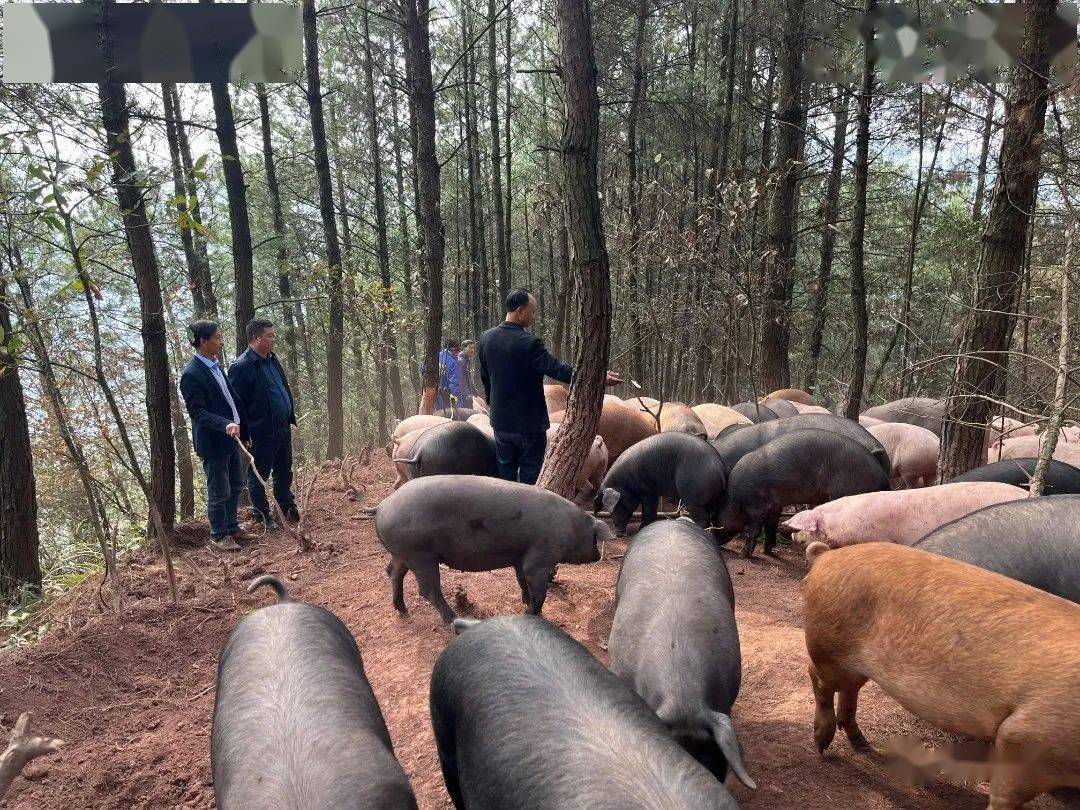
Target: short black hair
x,y
202,330
256,326
453,343
518,298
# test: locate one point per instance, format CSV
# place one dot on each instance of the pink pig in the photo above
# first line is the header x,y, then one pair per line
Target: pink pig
x,y
901,516
913,452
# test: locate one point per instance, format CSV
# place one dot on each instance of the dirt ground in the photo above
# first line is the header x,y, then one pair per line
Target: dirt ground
x,y
133,696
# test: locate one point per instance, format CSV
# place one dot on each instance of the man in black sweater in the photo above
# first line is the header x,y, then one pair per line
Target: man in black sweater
x,y
513,364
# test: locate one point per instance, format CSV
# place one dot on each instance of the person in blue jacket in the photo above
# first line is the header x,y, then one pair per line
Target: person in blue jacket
x,y
217,421
447,370
461,384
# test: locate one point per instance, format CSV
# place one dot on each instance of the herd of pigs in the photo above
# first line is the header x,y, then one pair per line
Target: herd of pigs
x,y
960,600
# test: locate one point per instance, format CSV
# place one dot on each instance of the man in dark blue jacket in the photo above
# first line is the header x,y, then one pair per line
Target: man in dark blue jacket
x,y
264,391
513,364
217,419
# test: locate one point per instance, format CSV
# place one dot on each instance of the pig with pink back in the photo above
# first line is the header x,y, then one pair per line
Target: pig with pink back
x,y
408,425
900,516
1029,447
869,421
1005,427
913,451
1070,434
802,408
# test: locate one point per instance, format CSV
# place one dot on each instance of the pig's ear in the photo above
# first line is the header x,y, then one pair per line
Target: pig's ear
x,y
602,532
461,625
609,498
724,734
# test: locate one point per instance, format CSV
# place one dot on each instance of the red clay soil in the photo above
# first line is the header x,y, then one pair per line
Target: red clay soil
x,y
133,695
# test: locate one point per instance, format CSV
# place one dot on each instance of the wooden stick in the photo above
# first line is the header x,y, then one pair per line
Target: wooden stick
x,y
21,748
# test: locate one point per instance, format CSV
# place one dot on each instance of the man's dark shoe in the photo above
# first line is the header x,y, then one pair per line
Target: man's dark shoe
x,y
292,514
223,544
240,536
266,522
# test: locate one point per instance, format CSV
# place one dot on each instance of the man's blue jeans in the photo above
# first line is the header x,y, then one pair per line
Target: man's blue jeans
x,y
273,456
520,455
224,482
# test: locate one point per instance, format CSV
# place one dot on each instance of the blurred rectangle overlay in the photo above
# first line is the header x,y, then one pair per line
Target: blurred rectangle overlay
x,y
936,42
152,42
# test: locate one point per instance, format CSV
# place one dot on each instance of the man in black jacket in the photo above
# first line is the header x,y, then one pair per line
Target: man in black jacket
x,y
217,419
513,364
268,408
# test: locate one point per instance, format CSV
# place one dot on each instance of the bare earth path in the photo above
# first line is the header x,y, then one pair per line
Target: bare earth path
x,y
133,697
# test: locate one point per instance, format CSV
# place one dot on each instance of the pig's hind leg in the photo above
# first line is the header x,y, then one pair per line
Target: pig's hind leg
x,y
826,684
523,583
772,523
824,711
426,571
397,570
845,716
650,505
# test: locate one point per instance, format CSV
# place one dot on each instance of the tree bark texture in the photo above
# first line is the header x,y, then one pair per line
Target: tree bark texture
x,y
582,203
999,275
335,444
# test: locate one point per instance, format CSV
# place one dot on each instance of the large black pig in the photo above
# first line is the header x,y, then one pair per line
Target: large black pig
x,y
525,717
755,411
472,523
295,721
674,639
802,467
1035,541
734,446
452,448
1061,478
673,465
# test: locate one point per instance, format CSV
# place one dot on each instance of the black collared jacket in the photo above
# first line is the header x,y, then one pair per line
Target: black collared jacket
x,y
513,364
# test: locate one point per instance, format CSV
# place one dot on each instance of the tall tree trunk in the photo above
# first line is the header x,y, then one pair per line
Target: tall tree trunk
x,y
198,235
633,192
984,154
19,564
496,157
99,518
858,221
198,265
185,468
403,227
389,339
780,251
288,306
999,275
509,196
422,103
477,226
335,445
129,195
829,210
582,202
236,192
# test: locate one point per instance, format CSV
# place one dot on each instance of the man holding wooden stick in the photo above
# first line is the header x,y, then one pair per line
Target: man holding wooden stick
x,y
216,421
